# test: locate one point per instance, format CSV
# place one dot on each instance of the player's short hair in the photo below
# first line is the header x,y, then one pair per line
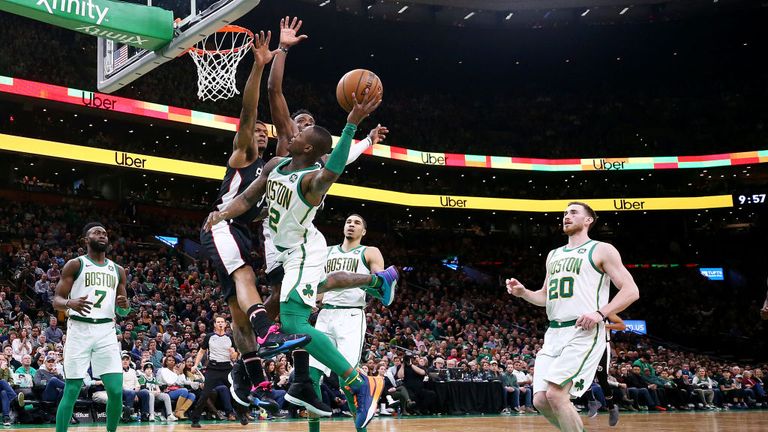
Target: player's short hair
x,y
90,225
365,224
320,139
300,112
588,209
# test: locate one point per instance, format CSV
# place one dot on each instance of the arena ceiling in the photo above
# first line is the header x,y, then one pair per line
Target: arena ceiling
x,y
535,13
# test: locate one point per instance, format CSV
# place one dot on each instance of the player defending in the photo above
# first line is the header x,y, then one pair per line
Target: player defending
x,y
343,315
91,291
228,243
295,188
575,293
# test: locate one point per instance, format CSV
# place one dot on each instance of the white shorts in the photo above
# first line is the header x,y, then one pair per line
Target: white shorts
x,y
91,345
304,268
270,251
346,329
569,355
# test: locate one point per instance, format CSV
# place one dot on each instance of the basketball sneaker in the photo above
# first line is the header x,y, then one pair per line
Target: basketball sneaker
x,y
367,398
303,394
613,416
276,342
261,399
386,292
240,387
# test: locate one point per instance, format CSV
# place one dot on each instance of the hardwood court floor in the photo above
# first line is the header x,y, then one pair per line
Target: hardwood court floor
x,y
732,421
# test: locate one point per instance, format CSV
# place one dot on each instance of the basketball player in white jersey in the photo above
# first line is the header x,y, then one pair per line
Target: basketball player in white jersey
x,y
575,293
92,291
287,125
295,188
342,317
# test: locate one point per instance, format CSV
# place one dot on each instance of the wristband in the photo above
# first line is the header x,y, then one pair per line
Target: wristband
x,y
122,311
601,314
283,49
66,304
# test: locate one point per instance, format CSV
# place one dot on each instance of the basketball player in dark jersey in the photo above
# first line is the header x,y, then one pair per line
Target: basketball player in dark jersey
x,y
229,243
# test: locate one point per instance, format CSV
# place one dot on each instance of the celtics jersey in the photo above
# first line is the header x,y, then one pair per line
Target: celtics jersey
x,y
290,216
352,261
98,282
574,284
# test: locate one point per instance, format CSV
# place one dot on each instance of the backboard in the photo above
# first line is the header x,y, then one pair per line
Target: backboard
x,y
119,64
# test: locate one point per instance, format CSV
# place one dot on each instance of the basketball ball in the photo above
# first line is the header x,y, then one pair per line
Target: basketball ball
x,y
356,81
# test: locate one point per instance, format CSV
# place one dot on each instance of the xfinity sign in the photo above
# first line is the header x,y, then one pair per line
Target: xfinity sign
x,y
78,7
146,27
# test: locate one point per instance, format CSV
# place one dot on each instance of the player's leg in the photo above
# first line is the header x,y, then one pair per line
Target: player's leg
x,y
295,316
212,378
381,285
540,386
113,384
559,400
67,404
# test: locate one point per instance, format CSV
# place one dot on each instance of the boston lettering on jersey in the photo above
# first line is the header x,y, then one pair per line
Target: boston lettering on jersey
x,y
349,264
568,264
100,279
279,193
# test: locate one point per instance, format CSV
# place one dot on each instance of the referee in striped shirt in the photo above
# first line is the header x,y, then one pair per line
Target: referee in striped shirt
x,y
219,347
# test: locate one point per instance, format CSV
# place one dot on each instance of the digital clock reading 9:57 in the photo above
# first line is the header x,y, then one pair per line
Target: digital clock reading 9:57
x,y
742,199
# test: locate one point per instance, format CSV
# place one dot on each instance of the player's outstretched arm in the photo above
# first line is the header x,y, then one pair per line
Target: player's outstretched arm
x,y
61,300
243,151
249,198
517,289
278,106
316,185
609,259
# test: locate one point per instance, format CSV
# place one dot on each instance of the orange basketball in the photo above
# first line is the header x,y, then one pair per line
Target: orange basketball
x,y
356,81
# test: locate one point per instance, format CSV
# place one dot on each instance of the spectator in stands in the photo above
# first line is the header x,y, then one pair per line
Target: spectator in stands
x,y
50,380
511,391
732,393
155,355
412,372
149,382
7,394
132,391
636,388
524,382
54,274
41,289
22,345
12,362
171,376
53,333
748,386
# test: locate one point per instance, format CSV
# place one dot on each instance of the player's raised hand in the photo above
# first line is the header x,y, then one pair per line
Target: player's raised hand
x,y
122,301
288,32
363,109
378,134
514,287
260,48
80,305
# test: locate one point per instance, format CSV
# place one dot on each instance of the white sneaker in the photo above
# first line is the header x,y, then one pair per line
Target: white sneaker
x,y
152,418
386,412
172,418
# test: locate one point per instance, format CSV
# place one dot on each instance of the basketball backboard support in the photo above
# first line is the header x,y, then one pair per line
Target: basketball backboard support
x,y
119,64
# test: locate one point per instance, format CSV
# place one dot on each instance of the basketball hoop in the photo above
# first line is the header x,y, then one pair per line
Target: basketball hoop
x,y
216,58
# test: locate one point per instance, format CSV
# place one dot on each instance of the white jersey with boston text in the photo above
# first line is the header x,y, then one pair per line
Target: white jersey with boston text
x,y
99,282
290,217
352,261
574,284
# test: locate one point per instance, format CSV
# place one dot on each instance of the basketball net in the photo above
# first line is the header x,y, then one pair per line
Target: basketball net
x,y
216,58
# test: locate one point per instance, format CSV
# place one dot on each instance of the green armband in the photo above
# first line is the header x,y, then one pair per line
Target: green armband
x,y
122,311
338,159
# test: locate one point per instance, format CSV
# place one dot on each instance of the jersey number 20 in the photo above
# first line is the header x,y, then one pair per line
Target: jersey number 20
x,y
561,288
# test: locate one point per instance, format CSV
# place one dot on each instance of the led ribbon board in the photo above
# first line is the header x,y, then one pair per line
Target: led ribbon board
x,y
197,118
123,159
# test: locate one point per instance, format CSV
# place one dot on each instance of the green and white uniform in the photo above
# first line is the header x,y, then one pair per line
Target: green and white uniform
x,y
575,286
342,318
91,339
301,247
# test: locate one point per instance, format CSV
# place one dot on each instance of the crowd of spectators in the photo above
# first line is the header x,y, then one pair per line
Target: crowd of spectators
x,y
445,325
